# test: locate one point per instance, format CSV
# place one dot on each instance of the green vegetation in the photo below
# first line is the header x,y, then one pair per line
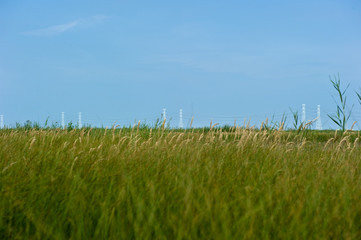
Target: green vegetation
x,y
141,183
341,116
359,96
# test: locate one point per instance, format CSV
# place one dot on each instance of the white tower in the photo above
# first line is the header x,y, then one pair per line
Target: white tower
x,y
303,113
62,120
318,122
79,121
180,118
164,116
1,121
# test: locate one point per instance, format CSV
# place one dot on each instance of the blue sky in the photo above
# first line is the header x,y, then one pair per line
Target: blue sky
x,y
217,60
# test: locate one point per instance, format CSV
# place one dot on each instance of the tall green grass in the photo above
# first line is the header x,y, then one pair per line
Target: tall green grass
x,y
179,184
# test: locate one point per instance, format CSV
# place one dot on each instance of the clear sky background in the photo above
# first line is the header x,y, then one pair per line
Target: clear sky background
x,y
217,60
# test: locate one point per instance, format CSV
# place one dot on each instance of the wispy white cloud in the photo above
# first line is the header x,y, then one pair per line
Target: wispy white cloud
x,y
62,28
53,30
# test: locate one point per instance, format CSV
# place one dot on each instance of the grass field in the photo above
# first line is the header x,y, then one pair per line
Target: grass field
x,y
233,183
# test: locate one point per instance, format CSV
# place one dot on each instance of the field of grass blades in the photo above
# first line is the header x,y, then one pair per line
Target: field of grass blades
x,y
144,183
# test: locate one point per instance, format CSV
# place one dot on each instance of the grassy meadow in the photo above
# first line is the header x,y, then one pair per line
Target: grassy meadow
x,y
214,183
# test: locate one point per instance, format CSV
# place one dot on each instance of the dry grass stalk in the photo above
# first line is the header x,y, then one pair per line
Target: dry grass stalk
x,y
261,127
163,124
212,126
138,126
32,142
248,124
328,142
190,126
8,166
343,140
352,125
309,123
355,143
179,137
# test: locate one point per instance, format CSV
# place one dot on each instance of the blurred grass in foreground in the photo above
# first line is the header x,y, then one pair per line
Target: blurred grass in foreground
x,y
179,184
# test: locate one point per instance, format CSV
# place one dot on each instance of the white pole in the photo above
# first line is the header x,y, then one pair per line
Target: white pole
x,y
164,116
319,123
303,113
62,120
180,118
1,121
79,121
